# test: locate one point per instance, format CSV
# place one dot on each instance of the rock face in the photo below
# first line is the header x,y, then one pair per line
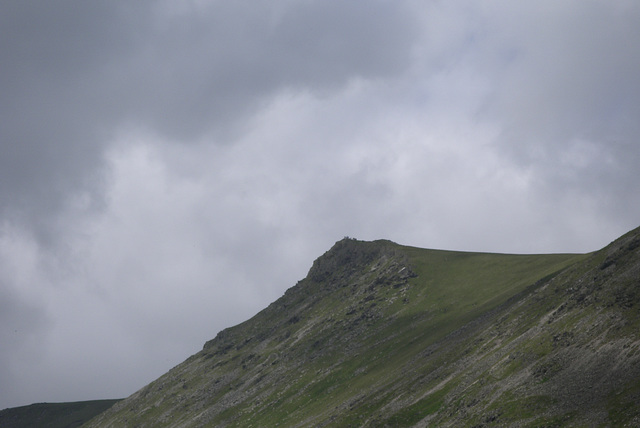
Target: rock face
x,y
379,334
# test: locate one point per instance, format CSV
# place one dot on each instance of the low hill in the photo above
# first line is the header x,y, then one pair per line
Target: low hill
x,y
53,415
380,334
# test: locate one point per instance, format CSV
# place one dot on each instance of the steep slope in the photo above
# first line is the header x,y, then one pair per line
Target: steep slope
x,y
567,353
381,334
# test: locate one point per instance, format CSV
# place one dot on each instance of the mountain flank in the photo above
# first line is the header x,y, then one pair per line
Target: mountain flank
x,y
53,415
380,334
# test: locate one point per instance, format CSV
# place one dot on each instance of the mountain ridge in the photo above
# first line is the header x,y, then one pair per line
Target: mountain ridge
x,y
380,334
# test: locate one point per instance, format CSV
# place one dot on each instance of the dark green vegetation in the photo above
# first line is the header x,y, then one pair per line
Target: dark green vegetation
x,y
379,334
53,415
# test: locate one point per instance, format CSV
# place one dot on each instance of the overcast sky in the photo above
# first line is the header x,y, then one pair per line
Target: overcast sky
x,y
169,168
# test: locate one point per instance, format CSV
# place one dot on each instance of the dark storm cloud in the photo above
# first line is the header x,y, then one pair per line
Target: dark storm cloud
x,y
202,70
75,72
52,125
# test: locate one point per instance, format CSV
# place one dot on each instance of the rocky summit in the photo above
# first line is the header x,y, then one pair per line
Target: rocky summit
x,y
380,334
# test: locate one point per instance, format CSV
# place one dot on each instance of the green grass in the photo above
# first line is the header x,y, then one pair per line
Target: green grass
x,y
623,405
417,411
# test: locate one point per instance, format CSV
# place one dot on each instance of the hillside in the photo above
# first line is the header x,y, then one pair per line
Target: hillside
x,y
379,334
53,415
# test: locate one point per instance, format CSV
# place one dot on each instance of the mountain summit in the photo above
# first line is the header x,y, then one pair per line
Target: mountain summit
x,y
380,334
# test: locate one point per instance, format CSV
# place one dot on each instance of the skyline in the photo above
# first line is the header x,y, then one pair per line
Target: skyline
x,y
170,168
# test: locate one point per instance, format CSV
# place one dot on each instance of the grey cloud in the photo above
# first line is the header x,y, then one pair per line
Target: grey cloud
x,y
52,128
564,94
75,72
24,328
573,74
206,70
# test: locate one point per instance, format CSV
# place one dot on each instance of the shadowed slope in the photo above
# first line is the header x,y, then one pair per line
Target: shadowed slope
x,y
53,415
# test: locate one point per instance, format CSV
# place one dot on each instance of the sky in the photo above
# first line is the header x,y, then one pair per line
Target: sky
x,y
169,168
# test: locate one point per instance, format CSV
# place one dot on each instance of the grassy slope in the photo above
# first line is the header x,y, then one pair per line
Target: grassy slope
x,y
53,415
565,354
358,342
452,290
448,293
456,287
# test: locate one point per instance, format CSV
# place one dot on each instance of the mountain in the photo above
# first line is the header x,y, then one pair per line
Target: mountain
x,y
53,415
380,334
